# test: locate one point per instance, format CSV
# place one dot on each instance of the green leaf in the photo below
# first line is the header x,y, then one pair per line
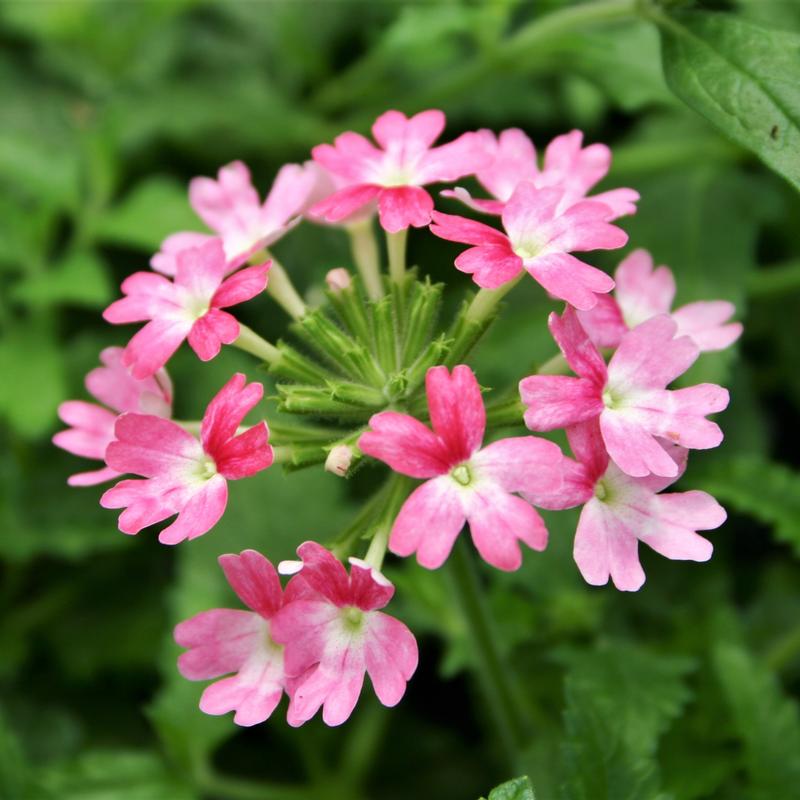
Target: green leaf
x,y
621,58
766,721
32,383
15,773
742,77
151,211
764,489
517,789
80,279
620,700
114,775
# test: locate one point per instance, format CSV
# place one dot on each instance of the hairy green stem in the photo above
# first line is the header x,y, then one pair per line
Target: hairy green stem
x,y
396,248
557,365
364,247
397,492
252,343
499,685
281,289
485,302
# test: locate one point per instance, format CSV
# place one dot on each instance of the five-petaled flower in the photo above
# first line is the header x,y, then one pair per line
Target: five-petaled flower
x,y
540,234
643,292
182,475
394,173
225,640
629,395
464,482
190,307
231,207
92,425
333,633
620,511
567,165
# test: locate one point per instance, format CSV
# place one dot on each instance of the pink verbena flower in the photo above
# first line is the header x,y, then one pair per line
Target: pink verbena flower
x,y
539,237
190,307
325,184
641,293
620,511
466,483
224,640
185,476
333,633
394,173
231,207
629,396
567,165
92,425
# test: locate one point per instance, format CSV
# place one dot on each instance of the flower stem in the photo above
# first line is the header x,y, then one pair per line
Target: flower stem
x,y
499,685
252,343
396,247
485,302
557,365
398,486
365,253
377,547
281,289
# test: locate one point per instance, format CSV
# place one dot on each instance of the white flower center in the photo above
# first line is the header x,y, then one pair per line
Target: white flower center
x,y
195,307
352,619
528,248
205,469
462,475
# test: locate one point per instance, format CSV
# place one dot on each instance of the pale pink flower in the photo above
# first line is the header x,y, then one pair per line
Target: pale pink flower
x,y
231,208
465,483
393,173
224,640
92,425
620,511
539,238
190,307
629,396
567,165
642,292
185,476
325,184
333,633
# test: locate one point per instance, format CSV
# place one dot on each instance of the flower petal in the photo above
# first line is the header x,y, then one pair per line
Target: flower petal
x,y
458,416
405,444
429,522
254,580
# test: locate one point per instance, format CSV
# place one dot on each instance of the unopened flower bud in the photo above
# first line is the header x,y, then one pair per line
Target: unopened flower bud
x,y
338,460
338,279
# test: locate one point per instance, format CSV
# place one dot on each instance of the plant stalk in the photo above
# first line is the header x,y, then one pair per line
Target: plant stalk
x,y
499,685
364,247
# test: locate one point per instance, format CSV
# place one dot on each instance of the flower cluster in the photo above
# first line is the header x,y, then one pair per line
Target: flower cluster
x,y
387,385
314,640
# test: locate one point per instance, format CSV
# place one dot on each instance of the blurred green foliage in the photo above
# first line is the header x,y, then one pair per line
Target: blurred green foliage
x,y
686,690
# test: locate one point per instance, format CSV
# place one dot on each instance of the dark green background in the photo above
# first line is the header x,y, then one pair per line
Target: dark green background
x,y
107,109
